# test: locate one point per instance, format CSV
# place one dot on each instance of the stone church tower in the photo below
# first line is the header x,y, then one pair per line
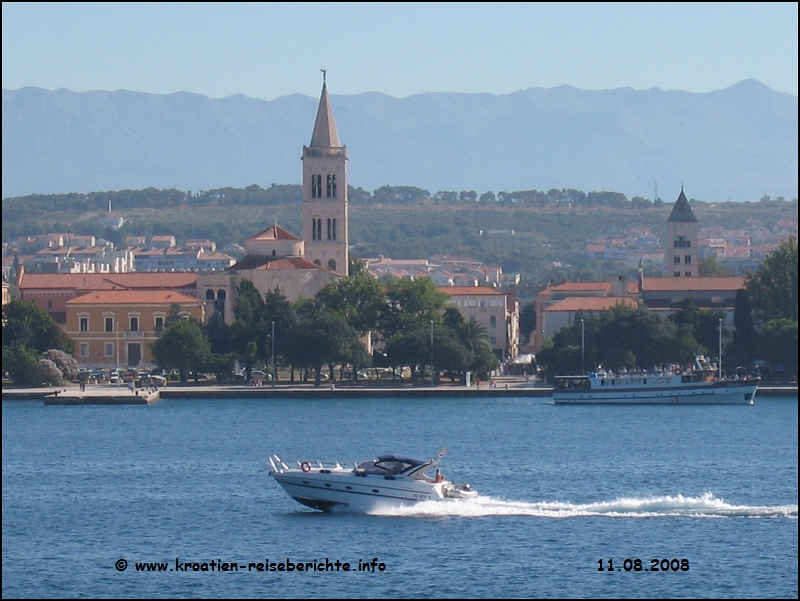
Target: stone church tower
x,y
681,257
325,223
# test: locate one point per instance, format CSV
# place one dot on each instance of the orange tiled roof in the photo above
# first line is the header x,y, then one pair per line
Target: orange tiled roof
x,y
591,303
106,281
133,297
274,232
467,290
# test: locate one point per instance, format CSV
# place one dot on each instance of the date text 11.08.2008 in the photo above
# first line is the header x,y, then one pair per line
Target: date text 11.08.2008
x,y
636,565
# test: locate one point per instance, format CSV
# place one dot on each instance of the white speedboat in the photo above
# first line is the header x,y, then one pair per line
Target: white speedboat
x,y
696,387
388,480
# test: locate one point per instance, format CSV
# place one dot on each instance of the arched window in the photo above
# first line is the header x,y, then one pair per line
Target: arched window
x,y
316,186
331,187
209,294
222,295
318,262
332,265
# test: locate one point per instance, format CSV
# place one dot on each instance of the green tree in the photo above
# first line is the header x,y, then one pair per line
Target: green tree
x,y
773,287
250,327
410,306
27,325
359,299
182,346
780,345
321,337
527,321
710,267
743,347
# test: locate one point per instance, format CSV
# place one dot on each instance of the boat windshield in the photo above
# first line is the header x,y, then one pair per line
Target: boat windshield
x,y
390,465
571,383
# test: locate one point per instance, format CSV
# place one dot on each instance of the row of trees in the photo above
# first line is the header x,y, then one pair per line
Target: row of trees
x,y
411,323
765,319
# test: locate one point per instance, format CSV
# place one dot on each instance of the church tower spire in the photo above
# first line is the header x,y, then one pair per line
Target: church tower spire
x,y
325,220
681,257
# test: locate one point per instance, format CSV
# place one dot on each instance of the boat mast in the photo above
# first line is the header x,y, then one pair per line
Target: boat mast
x,y
719,361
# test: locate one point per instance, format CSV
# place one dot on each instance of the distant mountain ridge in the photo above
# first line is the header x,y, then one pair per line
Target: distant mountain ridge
x,y
738,143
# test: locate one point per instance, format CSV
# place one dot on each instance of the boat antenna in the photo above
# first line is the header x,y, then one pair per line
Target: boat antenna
x,y
719,376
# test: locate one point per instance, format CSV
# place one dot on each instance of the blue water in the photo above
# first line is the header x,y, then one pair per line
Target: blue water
x,y
561,488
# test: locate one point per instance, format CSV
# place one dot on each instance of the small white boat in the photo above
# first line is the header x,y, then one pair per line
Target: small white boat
x,y
696,387
389,480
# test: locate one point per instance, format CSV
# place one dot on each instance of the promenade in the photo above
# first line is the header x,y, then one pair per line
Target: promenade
x,y
113,394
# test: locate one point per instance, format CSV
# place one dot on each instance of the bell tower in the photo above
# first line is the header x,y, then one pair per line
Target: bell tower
x,y
325,223
681,259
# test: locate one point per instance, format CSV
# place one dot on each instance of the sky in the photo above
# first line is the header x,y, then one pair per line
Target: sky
x,y
272,49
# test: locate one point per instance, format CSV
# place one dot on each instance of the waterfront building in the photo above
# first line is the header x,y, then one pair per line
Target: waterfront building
x,y
115,328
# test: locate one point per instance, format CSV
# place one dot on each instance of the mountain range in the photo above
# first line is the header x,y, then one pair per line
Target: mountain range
x,y
738,143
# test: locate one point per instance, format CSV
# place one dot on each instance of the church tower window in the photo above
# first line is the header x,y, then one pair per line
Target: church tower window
x,y
332,265
316,186
331,188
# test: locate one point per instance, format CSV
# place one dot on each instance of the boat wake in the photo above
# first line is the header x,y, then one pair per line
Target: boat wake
x,y
705,506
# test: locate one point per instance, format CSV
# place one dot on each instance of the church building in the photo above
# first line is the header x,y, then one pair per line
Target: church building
x,y
279,260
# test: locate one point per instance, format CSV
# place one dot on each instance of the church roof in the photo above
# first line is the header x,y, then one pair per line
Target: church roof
x,y
253,262
274,232
682,211
324,135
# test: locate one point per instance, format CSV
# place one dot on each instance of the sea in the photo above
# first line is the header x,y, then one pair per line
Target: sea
x,y
174,499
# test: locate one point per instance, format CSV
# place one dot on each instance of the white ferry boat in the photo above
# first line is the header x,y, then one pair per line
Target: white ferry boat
x,y
697,387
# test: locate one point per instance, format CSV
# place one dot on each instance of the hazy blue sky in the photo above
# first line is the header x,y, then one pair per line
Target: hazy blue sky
x,y
266,50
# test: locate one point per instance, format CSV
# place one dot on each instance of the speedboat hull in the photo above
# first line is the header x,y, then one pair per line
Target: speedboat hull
x,y
365,488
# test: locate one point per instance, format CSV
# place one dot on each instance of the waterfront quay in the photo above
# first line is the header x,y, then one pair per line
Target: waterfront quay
x,y
111,394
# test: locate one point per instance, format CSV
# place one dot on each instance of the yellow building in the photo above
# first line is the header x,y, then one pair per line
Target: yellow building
x,y
115,328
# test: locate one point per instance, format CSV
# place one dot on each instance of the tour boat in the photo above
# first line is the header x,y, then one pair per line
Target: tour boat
x,y
698,386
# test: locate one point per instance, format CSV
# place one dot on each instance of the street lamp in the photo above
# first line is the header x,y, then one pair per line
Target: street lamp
x,y
719,375
116,338
583,350
274,366
431,352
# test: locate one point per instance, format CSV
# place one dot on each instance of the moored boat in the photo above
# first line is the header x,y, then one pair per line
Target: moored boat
x,y
697,386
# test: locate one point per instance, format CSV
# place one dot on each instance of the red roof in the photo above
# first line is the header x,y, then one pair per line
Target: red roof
x,y
268,263
106,281
274,232
133,297
467,290
591,303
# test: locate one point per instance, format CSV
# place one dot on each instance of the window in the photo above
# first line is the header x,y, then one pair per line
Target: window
x,y
109,349
134,324
316,186
677,260
331,187
716,299
49,304
493,321
209,294
677,274
84,349
331,229
687,259
159,323
493,341
316,228
687,274
109,324
332,265
84,324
